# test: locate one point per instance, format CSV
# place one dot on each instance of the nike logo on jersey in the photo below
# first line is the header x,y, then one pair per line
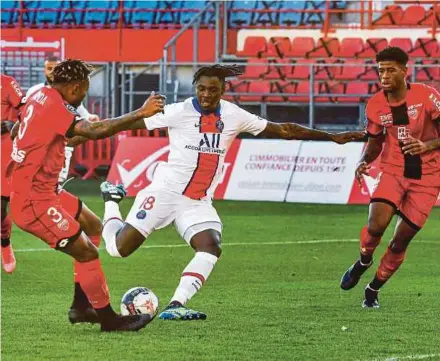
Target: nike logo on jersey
x,y
129,176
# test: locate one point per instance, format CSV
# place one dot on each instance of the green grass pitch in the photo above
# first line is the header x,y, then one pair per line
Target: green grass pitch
x,y
274,294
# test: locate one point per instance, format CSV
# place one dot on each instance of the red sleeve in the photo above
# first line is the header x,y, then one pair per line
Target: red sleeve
x,y
64,117
373,124
15,94
433,105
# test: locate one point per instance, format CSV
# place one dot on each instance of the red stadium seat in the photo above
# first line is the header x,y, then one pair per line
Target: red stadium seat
x,y
301,71
258,87
323,72
235,86
325,48
94,154
391,15
424,47
277,47
255,68
301,47
429,18
283,86
279,69
413,15
349,48
370,73
253,46
403,43
423,73
303,91
351,70
373,46
355,88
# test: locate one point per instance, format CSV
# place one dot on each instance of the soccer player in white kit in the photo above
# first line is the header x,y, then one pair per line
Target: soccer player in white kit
x,y
201,129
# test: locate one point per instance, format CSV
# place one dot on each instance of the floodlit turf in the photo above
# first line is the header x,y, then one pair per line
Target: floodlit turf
x,y
264,301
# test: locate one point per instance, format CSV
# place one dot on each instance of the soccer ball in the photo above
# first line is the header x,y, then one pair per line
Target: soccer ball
x,y
139,300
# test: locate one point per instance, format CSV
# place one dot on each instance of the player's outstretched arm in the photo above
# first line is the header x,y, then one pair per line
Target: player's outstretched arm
x,y
296,131
108,127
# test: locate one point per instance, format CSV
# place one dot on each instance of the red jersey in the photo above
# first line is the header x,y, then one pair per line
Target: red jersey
x,y
418,115
12,96
38,151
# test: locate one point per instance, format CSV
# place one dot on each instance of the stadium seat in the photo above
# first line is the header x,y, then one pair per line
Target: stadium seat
x,y
288,17
279,69
301,69
190,9
413,15
259,87
324,70
303,92
424,73
101,14
277,47
351,70
49,13
254,46
429,16
404,43
391,15
313,17
267,17
373,46
241,13
370,73
255,71
424,47
349,48
168,12
9,13
301,47
325,48
140,13
235,86
282,86
358,90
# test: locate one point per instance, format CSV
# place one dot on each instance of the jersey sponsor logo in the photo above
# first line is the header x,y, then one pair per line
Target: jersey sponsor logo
x,y
17,155
435,101
16,89
386,120
402,133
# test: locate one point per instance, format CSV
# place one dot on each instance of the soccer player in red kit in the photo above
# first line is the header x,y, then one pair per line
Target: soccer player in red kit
x,y
12,98
403,119
48,118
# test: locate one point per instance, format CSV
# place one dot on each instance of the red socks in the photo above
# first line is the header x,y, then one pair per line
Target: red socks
x,y
369,244
96,240
389,264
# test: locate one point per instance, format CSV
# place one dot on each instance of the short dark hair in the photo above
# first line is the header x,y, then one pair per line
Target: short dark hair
x,y
71,70
51,57
392,53
220,71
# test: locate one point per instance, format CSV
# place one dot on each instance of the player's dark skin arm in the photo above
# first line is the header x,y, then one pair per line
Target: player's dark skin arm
x,y
76,140
372,151
295,131
414,146
108,127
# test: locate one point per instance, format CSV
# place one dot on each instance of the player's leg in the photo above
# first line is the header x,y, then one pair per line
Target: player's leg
x,y
152,209
81,310
7,252
413,213
384,203
201,228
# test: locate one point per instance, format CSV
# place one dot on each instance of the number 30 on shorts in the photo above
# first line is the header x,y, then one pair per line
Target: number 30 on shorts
x,y
148,203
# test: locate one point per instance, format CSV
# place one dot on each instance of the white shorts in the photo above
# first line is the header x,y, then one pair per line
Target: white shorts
x,y
155,208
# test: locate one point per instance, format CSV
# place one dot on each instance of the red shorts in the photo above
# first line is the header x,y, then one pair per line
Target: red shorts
x,y
6,158
412,200
52,220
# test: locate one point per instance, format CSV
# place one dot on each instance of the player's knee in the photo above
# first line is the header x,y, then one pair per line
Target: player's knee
x,y
210,243
89,254
376,229
91,224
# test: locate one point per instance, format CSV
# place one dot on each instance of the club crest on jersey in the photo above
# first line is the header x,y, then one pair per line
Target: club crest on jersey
x,y
211,123
413,113
141,214
63,225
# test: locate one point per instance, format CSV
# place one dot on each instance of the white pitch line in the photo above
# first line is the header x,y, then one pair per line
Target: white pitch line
x,y
408,357
237,244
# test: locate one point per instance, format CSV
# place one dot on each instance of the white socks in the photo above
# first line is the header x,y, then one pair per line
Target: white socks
x,y
112,224
194,275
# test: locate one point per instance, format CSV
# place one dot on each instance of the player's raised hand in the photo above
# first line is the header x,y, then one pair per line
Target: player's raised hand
x,y
154,104
363,168
413,146
345,137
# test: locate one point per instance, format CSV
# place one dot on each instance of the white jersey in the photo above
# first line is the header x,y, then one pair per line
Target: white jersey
x,y
198,144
